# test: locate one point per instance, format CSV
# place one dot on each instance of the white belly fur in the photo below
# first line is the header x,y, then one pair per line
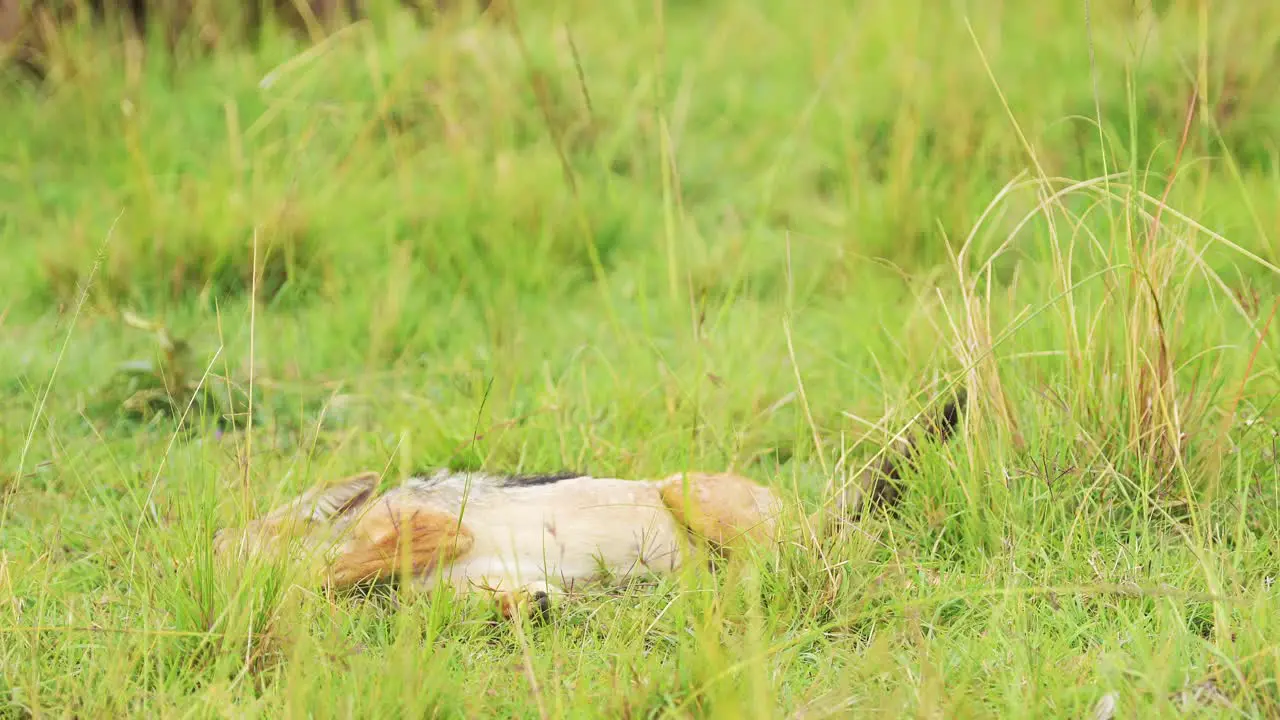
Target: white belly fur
x,y
557,534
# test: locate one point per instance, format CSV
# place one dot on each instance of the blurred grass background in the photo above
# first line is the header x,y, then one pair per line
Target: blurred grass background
x,y
634,237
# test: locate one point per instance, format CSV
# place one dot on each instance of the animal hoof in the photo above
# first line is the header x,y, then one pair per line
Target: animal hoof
x,y
535,605
542,602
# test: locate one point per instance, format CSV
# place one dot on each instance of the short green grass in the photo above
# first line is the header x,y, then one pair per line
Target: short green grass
x,y
635,237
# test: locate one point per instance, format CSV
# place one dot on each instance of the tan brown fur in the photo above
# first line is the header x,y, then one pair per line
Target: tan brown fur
x,y
350,538
523,540
391,534
12,21
723,509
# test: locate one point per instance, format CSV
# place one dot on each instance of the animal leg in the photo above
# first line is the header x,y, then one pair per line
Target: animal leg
x,y
721,508
397,534
535,599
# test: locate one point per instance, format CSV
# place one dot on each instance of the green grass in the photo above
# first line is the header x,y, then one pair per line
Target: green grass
x,y
724,235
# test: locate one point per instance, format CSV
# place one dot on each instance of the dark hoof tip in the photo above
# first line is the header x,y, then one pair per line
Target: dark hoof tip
x,y
543,602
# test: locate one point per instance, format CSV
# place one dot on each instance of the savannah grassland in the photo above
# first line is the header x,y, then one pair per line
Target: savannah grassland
x,y
631,238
